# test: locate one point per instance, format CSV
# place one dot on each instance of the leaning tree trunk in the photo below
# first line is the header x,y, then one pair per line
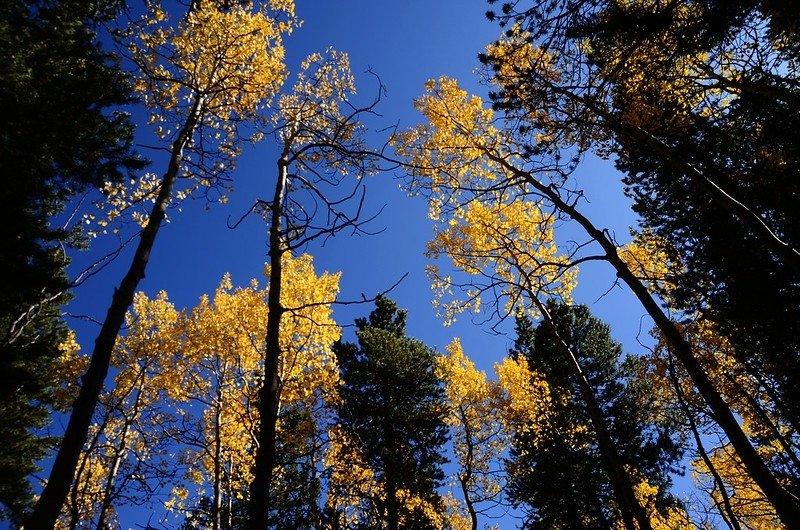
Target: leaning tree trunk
x,y
48,507
726,512
269,395
785,504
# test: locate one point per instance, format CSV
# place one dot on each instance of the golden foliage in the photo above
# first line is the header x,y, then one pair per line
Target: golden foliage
x,y
202,76
510,247
202,370
480,434
498,239
651,259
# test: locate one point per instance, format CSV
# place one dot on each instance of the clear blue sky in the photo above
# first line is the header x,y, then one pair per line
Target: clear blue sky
x,y
405,43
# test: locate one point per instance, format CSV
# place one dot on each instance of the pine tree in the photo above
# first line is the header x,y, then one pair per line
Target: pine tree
x,y
546,463
392,411
60,133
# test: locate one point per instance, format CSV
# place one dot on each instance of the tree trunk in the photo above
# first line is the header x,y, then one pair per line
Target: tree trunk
x,y
49,505
785,504
108,496
216,507
727,513
465,478
269,395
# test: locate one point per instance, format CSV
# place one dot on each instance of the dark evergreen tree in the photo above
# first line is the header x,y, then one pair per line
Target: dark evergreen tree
x,y
296,489
558,475
59,134
392,405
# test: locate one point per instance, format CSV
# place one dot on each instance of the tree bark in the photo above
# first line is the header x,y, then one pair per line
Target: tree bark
x,y
465,478
48,507
269,394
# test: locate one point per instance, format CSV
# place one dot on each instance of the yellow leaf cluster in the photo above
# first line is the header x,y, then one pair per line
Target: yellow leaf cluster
x,y
747,500
231,58
352,487
475,418
221,356
651,259
675,518
202,370
506,249
527,398
220,65
449,152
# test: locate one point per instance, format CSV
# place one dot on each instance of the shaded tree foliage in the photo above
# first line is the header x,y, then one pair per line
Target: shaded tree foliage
x,y
393,408
557,473
699,102
61,133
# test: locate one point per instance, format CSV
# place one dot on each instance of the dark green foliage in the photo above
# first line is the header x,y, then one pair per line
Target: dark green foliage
x,y
750,150
563,484
295,491
734,275
392,404
57,136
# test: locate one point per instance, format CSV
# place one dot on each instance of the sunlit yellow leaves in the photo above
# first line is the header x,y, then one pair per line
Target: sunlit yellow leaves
x,y
448,153
746,498
476,419
202,370
352,482
651,260
68,370
674,518
221,356
527,398
505,250
201,75
230,60
308,367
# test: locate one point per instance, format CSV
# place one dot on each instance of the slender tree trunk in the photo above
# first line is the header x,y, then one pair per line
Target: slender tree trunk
x,y
108,490
217,503
727,513
62,473
786,505
465,478
631,509
269,397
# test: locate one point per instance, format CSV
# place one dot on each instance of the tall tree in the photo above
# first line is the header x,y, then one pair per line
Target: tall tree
x,y
545,463
392,418
470,161
697,100
201,77
318,193
61,132
480,431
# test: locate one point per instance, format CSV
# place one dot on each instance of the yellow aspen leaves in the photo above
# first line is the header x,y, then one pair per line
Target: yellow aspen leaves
x,y
652,260
352,486
202,74
480,434
506,250
748,502
499,240
221,357
199,373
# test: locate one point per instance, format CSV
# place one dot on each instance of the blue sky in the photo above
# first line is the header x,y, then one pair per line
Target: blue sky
x,y
405,43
